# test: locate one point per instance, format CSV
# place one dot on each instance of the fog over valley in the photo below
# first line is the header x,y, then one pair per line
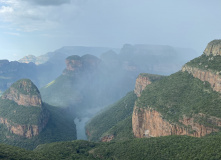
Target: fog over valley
x,y
78,74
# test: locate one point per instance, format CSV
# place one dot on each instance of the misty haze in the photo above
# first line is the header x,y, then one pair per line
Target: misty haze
x,y
84,79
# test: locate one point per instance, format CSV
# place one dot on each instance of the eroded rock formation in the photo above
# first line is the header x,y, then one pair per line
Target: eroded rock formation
x,y
213,48
77,64
141,83
143,80
25,94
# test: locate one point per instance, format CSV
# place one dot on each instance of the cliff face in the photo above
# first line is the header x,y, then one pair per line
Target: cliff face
x,y
213,48
147,122
22,99
25,94
25,98
77,64
141,83
143,80
27,131
205,75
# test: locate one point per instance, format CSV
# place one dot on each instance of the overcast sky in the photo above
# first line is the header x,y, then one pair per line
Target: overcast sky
x,y
39,26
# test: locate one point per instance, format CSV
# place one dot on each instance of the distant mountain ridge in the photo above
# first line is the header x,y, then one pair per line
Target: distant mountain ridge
x,y
63,53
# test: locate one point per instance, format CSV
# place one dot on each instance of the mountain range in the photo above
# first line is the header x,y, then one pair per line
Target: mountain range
x,y
165,116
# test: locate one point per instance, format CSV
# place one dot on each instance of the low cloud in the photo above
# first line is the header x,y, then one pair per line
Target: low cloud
x,y
32,15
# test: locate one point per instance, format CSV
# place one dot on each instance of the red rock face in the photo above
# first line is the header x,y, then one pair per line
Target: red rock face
x,y
25,93
147,122
213,78
141,83
27,131
22,99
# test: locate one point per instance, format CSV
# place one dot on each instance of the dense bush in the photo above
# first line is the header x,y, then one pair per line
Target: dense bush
x,y
205,62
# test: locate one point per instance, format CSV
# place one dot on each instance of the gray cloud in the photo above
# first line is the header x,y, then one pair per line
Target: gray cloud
x,y
48,2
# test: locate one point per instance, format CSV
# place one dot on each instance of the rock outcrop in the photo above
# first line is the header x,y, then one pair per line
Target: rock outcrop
x,y
107,138
213,48
148,122
143,80
23,93
77,64
205,75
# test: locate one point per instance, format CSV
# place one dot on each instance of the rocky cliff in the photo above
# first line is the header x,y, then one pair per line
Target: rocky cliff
x,y
213,48
143,80
205,75
207,67
25,93
184,103
77,64
22,110
147,122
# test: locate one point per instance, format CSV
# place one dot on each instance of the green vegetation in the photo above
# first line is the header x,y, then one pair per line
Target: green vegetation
x,y
152,77
67,150
114,114
160,148
60,127
215,42
181,94
20,114
122,130
25,86
205,62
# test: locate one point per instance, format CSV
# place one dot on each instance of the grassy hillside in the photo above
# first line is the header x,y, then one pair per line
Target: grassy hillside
x,y
114,114
181,94
60,127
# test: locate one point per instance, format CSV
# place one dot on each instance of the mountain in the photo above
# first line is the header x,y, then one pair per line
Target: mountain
x,y
185,103
87,85
155,59
61,54
26,121
115,122
70,88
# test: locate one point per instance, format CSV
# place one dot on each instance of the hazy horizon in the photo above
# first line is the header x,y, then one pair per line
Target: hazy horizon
x,y
37,27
